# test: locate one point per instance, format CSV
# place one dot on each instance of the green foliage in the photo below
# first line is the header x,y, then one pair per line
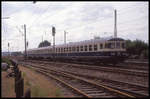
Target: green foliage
x,y
44,44
28,83
5,60
23,74
137,47
37,91
58,92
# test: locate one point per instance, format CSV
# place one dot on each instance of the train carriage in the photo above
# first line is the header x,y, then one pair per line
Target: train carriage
x,y
108,50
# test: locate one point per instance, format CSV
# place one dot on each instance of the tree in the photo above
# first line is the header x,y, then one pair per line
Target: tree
x,y
44,44
136,47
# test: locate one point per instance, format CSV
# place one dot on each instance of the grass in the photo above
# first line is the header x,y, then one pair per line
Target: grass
x,y
23,74
37,91
58,92
28,83
40,89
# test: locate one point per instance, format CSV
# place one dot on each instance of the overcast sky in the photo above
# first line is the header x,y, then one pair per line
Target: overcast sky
x,y
81,21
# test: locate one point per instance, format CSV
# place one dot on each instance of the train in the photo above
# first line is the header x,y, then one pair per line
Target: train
x,y
103,51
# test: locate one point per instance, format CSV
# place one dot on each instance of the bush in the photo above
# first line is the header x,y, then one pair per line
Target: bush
x,y
136,47
5,60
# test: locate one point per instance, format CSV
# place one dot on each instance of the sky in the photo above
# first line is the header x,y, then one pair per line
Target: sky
x,y
81,21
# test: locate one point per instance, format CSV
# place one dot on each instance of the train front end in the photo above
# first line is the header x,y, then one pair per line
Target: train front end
x,y
116,47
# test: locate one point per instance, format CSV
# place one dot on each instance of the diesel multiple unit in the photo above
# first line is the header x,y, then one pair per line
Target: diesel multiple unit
x,y
108,50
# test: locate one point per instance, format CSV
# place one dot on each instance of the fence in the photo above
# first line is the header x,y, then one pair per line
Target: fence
x,y
19,82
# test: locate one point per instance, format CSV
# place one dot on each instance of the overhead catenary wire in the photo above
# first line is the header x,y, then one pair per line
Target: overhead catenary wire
x,y
39,17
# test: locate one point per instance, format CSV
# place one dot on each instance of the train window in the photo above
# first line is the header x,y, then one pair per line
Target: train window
x,y
81,48
118,45
109,45
106,45
112,45
73,49
69,49
61,49
101,46
95,47
64,49
77,49
123,45
58,49
90,47
85,47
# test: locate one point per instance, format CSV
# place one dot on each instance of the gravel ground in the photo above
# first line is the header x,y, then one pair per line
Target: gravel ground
x,y
143,81
46,83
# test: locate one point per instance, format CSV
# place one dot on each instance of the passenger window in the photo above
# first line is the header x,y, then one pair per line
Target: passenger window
x,y
101,46
106,45
70,49
56,50
67,49
81,48
109,45
95,47
61,49
64,49
85,47
90,47
77,49
73,49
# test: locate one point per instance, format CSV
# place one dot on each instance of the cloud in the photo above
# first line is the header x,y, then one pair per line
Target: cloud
x,y
82,21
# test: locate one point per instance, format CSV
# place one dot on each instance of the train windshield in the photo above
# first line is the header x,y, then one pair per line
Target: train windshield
x,y
112,45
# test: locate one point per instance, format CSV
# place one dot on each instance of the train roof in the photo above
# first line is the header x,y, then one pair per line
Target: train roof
x,y
91,41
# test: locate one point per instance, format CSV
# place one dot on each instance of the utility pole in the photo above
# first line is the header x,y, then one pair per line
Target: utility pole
x,y
25,41
8,42
65,41
27,48
42,41
115,25
65,37
8,49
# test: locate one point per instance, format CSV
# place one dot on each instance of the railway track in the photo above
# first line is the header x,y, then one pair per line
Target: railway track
x,y
125,71
122,89
127,62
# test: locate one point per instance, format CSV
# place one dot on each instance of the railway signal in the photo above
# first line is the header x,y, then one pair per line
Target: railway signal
x,y
27,44
53,34
53,31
